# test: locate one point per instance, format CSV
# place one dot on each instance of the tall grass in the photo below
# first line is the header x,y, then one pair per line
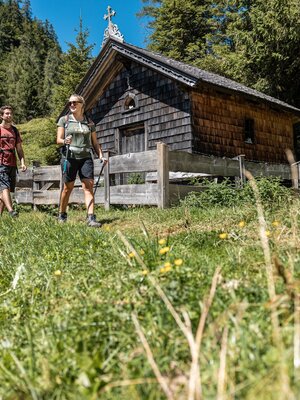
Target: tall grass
x,y
177,305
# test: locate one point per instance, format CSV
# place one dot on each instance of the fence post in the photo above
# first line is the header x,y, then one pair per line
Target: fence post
x,y
35,185
240,181
163,175
295,172
106,183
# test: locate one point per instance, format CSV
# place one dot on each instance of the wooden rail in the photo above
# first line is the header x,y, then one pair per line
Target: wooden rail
x,y
43,183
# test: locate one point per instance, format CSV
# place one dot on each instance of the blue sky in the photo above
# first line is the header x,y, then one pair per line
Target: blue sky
x,y
64,16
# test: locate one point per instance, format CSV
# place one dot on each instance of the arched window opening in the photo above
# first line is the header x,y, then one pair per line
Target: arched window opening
x,y
130,102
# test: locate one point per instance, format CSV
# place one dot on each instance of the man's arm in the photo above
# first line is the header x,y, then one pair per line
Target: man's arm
x,y
21,156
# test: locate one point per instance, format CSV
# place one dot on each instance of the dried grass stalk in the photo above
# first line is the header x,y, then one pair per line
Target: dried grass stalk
x,y
128,382
294,214
297,331
195,389
286,392
161,380
294,168
222,369
194,386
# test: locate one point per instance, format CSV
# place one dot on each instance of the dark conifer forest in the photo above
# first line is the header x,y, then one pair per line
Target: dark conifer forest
x,y
254,42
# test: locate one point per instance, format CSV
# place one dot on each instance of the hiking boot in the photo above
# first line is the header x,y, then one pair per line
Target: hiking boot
x,y
91,221
13,214
62,217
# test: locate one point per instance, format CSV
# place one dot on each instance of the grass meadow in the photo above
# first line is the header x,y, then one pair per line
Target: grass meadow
x,y
193,302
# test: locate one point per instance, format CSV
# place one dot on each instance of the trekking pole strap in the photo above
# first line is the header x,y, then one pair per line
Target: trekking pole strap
x,y
66,159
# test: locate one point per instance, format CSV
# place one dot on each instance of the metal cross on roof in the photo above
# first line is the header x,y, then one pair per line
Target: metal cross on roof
x,y
110,13
112,30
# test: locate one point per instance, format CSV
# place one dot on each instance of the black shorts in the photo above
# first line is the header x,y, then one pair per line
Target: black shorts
x,y
8,177
84,167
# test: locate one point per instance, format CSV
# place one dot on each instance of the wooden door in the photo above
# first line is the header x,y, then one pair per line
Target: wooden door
x,y
132,140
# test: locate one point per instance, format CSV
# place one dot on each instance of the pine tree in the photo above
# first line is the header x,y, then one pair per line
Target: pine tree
x,y
23,79
255,42
178,27
51,75
74,66
11,25
259,46
29,51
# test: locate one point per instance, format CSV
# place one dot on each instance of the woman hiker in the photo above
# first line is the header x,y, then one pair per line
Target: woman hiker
x,y
78,135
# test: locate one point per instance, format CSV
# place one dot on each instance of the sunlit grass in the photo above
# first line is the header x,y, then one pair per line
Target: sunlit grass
x,y
67,294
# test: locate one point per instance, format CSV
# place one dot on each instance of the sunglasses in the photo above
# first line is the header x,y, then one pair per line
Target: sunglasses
x,y
74,103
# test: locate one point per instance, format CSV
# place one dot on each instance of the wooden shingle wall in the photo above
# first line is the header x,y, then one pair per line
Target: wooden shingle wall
x,y
162,107
218,126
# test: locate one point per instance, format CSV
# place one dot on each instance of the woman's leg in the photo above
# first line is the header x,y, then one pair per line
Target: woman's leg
x,y
87,186
65,196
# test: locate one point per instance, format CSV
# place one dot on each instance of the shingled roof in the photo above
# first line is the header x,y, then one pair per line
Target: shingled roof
x,y
185,73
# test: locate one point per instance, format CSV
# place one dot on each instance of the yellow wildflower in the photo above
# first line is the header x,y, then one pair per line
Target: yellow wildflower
x,y
242,224
131,255
267,233
178,262
166,269
107,228
275,223
167,265
142,252
162,242
57,272
223,235
145,272
164,250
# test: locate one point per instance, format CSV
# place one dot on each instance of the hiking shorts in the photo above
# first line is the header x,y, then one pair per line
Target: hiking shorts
x,y
8,177
84,167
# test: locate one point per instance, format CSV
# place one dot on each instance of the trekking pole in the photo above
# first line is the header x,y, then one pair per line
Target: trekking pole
x,y
100,173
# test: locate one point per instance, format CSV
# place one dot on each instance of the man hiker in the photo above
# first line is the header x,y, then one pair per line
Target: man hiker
x,y
10,142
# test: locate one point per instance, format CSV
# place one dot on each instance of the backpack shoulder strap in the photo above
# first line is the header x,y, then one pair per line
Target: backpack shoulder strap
x,y
67,119
17,133
87,118
89,121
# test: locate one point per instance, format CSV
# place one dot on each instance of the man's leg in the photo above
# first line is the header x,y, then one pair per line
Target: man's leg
x,y
5,201
7,185
1,204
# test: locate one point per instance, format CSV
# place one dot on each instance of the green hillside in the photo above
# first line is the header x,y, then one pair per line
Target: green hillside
x,y
39,141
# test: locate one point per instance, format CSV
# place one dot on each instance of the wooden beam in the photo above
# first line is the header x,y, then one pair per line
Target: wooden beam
x,y
134,162
134,194
107,182
163,175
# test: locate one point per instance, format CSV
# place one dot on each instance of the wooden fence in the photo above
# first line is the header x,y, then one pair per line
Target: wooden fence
x,y
44,182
